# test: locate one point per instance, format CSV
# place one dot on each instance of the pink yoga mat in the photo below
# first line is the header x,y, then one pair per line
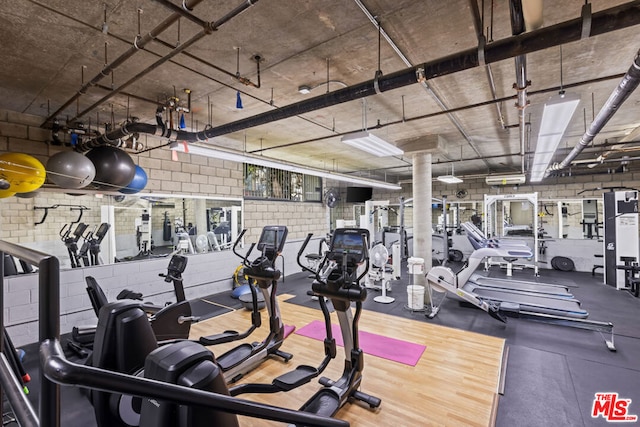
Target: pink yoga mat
x,y
288,329
376,345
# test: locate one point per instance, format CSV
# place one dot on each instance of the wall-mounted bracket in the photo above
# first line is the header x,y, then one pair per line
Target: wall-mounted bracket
x,y
80,208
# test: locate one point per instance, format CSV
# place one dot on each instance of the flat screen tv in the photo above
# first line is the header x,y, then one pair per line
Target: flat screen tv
x,y
359,194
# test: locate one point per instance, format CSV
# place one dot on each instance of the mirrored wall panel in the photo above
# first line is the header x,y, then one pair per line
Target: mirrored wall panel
x,y
86,230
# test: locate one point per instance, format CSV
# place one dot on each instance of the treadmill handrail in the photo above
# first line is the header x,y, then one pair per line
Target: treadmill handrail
x,y
483,253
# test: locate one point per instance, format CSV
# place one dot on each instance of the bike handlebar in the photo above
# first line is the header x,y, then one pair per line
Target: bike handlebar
x,y
237,242
302,248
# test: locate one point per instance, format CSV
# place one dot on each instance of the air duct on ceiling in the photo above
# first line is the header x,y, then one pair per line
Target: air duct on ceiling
x,y
627,85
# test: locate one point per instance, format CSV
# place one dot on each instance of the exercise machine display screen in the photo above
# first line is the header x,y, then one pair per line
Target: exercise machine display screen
x,y
272,239
102,230
177,264
350,241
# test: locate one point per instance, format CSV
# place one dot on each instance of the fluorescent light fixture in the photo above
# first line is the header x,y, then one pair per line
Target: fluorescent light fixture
x,y
370,143
449,179
555,120
236,156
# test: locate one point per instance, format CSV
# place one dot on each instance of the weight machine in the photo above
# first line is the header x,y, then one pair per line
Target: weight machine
x,y
143,232
492,216
621,245
222,226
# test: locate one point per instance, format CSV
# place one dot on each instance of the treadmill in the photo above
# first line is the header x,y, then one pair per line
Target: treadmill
x,y
509,285
499,303
556,301
518,285
529,301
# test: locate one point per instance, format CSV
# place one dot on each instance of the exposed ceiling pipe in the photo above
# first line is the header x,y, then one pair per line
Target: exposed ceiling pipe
x,y
158,55
521,88
206,30
482,41
423,83
498,156
607,171
186,12
625,144
439,113
620,94
594,162
131,95
519,26
602,22
139,43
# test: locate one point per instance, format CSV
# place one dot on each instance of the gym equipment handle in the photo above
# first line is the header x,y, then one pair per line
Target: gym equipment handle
x,y
58,369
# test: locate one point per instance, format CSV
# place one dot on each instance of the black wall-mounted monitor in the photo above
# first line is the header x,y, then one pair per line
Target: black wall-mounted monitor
x,y
359,194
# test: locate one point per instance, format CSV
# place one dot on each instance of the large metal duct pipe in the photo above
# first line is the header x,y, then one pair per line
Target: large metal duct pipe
x,y
138,44
627,85
605,21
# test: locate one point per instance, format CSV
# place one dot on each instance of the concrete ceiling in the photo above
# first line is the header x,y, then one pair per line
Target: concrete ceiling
x,y
51,48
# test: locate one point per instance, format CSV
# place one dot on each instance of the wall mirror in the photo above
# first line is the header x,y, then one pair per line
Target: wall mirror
x,y
572,219
456,214
84,230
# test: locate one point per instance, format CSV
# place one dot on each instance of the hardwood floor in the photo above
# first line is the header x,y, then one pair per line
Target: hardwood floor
x,y
455,383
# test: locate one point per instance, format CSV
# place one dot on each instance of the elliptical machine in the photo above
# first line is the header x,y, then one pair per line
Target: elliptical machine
x,y
90,249
347,251
262,271
169,322
186,363
337,279
70,238
125,341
